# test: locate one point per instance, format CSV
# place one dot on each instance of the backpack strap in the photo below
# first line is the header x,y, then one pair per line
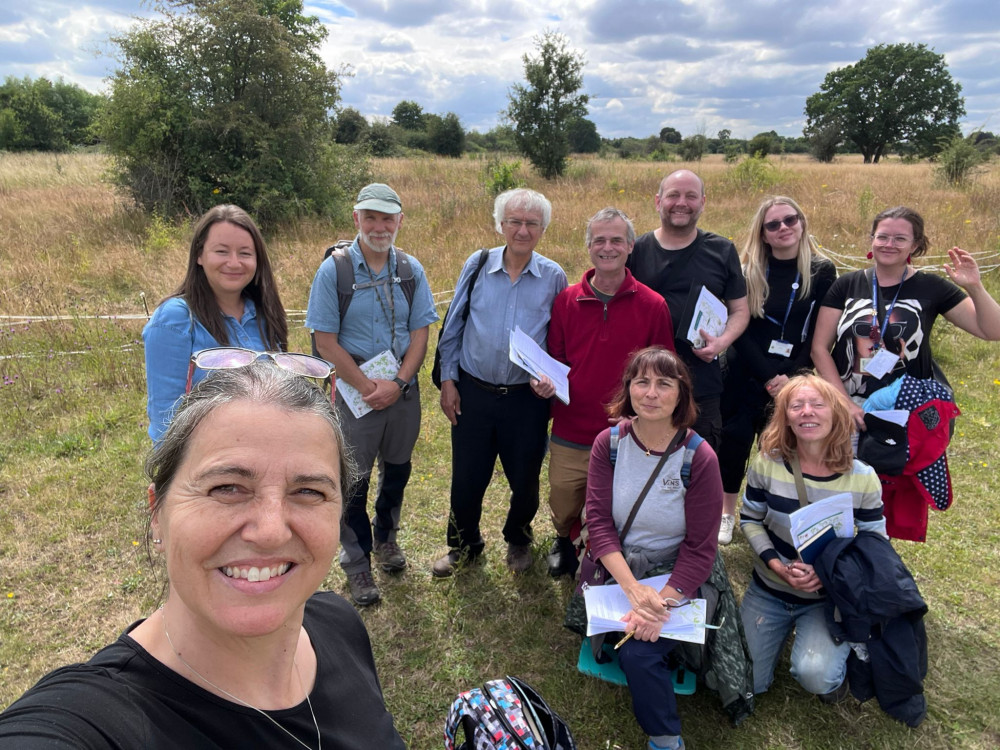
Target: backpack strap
x,y
345,274
692,446
613,443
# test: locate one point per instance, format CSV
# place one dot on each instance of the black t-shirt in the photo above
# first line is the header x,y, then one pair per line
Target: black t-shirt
x,y
710,261
922,297
124,698
751,358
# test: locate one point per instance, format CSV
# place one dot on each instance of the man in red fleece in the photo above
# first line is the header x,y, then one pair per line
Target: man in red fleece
x,y
595,325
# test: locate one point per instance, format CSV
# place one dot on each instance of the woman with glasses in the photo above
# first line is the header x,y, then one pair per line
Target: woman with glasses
x,y
247,486
228,298
875,324
787,277
805,456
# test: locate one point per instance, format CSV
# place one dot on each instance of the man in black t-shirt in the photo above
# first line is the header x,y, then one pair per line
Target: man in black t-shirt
x,y
677,259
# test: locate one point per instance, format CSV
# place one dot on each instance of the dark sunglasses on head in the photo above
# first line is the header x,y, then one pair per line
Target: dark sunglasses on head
x,y
231,357
788,221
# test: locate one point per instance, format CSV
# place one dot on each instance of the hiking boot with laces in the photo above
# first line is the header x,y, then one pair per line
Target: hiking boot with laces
x,y
364,590
389,557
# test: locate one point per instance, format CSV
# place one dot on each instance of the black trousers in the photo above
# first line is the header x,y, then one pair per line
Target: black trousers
x,y
513,427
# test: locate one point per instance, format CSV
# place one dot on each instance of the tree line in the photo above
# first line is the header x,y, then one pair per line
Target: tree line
x,y
229,101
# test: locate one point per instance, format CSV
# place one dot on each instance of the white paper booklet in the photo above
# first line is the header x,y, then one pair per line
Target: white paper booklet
x,y
710,313
836,511
528,355
607,605
382,366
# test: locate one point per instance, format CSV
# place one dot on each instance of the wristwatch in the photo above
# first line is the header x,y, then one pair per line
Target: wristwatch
x,y
404,387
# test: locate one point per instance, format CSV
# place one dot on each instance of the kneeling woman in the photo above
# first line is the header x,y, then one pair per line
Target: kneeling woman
x,y
247,488
810,433
674,528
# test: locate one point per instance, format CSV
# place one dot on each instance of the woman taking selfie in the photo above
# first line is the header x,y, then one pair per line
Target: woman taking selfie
x,y
244,506
228,298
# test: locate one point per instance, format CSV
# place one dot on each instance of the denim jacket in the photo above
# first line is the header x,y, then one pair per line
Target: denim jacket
x,y
171,336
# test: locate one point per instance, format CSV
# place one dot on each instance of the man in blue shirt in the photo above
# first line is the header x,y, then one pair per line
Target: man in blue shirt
x,y
495,409
379,319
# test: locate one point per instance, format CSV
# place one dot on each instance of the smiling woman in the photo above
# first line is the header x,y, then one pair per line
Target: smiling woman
x,y
245,500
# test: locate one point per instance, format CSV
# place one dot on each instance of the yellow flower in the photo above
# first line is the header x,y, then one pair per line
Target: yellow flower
x,y
216,191
824,186
135,543
996,382
622,190
10,594
968,221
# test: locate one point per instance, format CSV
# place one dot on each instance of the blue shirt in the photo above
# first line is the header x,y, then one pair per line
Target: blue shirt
x,y
366,329
171,336
481,345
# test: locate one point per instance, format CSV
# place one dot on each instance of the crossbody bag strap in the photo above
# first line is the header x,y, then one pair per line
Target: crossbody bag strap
x,y
800,483
678,436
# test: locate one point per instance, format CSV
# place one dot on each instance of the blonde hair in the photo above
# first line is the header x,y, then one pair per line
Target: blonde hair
x,y
779,442
756,252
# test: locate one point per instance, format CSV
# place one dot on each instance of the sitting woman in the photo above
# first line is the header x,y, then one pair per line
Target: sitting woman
x,y
671,527
228,298
245,501
809,435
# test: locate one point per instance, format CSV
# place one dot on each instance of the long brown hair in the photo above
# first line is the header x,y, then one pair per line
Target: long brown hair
x,y
778,440
657,360
262,289
756,251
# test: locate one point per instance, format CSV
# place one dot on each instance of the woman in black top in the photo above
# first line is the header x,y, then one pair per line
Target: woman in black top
x,y
787,277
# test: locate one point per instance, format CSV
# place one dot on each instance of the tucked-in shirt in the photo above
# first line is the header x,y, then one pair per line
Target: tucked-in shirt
x,y
481,345
171,336
367,328
771,497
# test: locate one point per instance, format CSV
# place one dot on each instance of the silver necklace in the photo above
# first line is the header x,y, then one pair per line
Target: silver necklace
x,y
319,738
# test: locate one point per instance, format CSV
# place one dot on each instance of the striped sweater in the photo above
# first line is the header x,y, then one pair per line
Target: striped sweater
x,y
770,498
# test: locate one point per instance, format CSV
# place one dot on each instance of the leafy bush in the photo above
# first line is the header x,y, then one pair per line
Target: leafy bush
x,y
754,174
499,176
959,160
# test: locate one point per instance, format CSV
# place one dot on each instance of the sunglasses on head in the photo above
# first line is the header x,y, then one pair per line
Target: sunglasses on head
x,y
789,221
231,357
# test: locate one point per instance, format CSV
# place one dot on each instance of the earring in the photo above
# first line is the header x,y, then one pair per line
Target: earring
x,y
870,255
157,541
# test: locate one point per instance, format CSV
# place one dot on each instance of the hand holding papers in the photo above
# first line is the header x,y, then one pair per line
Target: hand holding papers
x,y
607,605
710,314
835,511
382,366
529,356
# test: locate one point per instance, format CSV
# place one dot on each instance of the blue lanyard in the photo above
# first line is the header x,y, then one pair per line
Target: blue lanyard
x,y
791,299
876,343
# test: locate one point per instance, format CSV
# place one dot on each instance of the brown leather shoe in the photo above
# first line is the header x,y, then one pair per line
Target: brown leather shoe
x,y
519,558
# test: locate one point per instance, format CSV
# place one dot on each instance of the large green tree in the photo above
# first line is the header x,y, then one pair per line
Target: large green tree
x,y
408,115
43,115
542,109
226,101
898,94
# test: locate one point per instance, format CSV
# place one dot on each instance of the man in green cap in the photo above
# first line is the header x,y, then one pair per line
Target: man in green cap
x,y
387,318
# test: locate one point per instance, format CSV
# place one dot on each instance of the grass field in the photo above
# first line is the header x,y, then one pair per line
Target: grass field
x,y
72,405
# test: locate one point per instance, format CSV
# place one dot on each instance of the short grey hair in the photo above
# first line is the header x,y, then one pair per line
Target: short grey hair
x,y
610,214
261,382
524,199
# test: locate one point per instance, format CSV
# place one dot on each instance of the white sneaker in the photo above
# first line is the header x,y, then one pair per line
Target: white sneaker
x,y
726,528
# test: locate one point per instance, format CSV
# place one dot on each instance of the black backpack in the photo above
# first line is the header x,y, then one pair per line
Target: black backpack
x,y
345,278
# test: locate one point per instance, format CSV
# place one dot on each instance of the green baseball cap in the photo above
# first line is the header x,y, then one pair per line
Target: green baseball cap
x,y
378,197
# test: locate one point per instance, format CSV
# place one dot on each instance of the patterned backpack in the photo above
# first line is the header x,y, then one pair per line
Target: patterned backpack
x,y
505,714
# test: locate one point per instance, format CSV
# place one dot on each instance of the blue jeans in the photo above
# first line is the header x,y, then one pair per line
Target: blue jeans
x,y
818,664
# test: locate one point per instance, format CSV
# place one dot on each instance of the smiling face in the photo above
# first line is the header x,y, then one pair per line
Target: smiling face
x,y
784,240
609,247
892,243
654,397
680,201
378,230
250,522
228,258
522,229
809,415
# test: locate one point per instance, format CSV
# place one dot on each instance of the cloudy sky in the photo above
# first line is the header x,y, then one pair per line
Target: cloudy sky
x,y
696,65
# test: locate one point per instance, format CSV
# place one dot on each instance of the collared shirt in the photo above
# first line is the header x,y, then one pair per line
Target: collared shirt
x,y
367,326
170,337
481,345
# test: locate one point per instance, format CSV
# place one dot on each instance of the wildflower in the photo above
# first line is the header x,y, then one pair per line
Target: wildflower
x,y
216,191
135,543
10,594
996,382
968,221
621,191
823,185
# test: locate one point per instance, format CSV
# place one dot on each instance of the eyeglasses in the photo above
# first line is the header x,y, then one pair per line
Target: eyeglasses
x,y
616,242
231,357
895,241
789,221
516,224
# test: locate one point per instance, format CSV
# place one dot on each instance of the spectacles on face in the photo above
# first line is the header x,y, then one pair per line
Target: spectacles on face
x,y
516,224
893,240
615,242
231,357
789,221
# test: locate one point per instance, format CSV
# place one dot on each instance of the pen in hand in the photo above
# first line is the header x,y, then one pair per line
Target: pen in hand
x,y
668,603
